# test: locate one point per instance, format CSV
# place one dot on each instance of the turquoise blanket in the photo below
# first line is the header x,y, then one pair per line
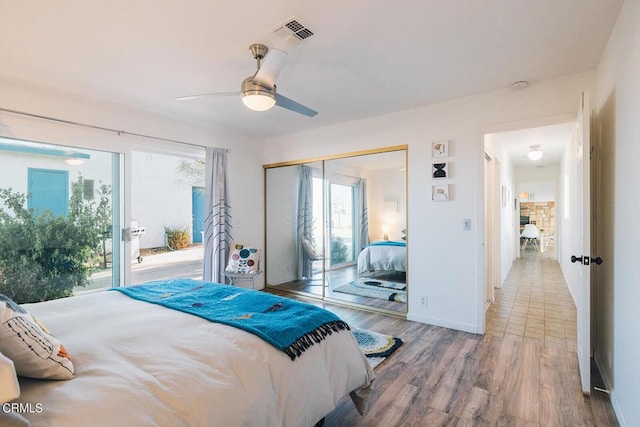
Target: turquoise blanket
x,y
388,243
288,325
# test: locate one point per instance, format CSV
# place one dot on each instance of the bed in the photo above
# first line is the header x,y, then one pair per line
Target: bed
x,y
140,363
385,255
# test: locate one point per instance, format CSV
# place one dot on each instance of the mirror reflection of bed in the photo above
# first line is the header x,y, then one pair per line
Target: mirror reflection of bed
x,y
359,256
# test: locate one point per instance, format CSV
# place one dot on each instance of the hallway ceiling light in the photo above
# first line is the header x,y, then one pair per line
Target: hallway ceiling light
x,y
535,153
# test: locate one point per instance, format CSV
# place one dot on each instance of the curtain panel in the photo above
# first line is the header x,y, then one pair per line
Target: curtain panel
x,y
305,219
361,198
217,223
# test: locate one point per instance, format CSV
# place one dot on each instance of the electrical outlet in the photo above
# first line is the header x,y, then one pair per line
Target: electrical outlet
x,y
466,224
424,302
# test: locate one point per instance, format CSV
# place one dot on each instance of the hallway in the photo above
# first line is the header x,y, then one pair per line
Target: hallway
x,y
534,305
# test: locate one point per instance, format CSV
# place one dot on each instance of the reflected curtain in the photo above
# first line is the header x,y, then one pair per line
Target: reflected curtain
x,y
217,223
305,219
363,224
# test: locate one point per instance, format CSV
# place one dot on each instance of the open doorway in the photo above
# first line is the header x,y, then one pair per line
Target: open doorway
x,y
530,190
525,191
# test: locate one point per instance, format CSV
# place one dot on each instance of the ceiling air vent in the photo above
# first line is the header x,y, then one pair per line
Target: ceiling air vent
x,y
293,28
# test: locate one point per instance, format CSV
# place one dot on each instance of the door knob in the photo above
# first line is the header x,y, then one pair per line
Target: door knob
x,y
597,260
576,259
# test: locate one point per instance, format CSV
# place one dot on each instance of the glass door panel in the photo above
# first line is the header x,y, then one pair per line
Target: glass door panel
x,y
58,214
167,216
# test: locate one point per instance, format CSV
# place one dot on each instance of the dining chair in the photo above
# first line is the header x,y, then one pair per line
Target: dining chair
x,y
530,234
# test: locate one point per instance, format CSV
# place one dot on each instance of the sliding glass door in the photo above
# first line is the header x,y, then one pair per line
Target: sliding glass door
x,y
59,220
167,216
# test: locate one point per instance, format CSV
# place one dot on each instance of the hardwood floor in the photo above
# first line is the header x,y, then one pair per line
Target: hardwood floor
x,y
442,377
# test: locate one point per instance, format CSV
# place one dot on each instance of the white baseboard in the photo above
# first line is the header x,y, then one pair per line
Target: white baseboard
x,y
464,327
618,410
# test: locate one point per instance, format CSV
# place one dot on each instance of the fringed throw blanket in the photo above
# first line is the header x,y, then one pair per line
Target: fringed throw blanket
x,y
288,325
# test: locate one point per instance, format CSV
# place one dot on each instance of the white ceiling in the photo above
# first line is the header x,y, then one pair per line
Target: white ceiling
x,y
552,140
366,57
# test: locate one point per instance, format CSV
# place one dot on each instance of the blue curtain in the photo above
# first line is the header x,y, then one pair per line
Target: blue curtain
x,y
305,219
217,223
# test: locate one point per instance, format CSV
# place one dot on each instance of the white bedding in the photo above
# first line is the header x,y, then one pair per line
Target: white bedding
x,y
374,258
142,364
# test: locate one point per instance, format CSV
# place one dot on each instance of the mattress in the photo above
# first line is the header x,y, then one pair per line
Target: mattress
x,y
143,364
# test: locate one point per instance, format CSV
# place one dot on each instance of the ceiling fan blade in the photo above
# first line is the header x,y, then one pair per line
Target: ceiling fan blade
x,y
202,95
290,104
270,68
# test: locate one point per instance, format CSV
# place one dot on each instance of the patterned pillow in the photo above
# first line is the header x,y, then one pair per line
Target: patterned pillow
x,y
34,352
243,260
9,387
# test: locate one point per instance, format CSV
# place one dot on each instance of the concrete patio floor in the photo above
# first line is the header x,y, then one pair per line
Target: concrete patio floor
x,y
184,264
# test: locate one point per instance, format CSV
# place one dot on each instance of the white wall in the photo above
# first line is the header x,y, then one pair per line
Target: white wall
x,y
245,175
540,183
445,263
509,221
618,84
161,197
14,168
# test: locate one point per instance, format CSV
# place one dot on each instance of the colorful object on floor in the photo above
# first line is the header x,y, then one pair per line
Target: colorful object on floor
x,y
288,325
377,347
373,288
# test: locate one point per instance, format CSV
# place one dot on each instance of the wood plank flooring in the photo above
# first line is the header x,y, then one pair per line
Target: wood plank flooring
x,y
442,377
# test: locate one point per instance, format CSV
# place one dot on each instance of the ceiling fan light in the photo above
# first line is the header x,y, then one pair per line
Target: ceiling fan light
x,y
535,154
256,96
258,101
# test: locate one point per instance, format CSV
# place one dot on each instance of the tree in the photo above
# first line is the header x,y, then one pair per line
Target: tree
x,y
44,257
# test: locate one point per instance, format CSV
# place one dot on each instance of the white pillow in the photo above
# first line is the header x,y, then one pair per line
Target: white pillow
x,y
34,352
9,387
243,260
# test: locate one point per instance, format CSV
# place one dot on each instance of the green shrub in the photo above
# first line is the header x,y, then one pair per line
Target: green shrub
x,y
177,238
44,257
338,250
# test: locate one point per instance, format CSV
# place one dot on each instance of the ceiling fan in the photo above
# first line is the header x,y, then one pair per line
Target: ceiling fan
x,y
259,90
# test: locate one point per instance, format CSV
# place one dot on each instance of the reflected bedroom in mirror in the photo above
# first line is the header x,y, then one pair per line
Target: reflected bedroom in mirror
x,y
336,230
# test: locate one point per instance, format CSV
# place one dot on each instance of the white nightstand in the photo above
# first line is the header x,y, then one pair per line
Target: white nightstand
x,y
234,278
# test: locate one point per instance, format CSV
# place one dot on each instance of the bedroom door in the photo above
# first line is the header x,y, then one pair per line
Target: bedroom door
x,y
582,241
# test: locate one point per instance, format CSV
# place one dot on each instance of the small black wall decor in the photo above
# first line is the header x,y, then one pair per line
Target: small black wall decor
x,y
440,170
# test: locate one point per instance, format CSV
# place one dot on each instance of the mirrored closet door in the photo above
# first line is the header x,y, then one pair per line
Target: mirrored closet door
x,y
294,237
336,229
